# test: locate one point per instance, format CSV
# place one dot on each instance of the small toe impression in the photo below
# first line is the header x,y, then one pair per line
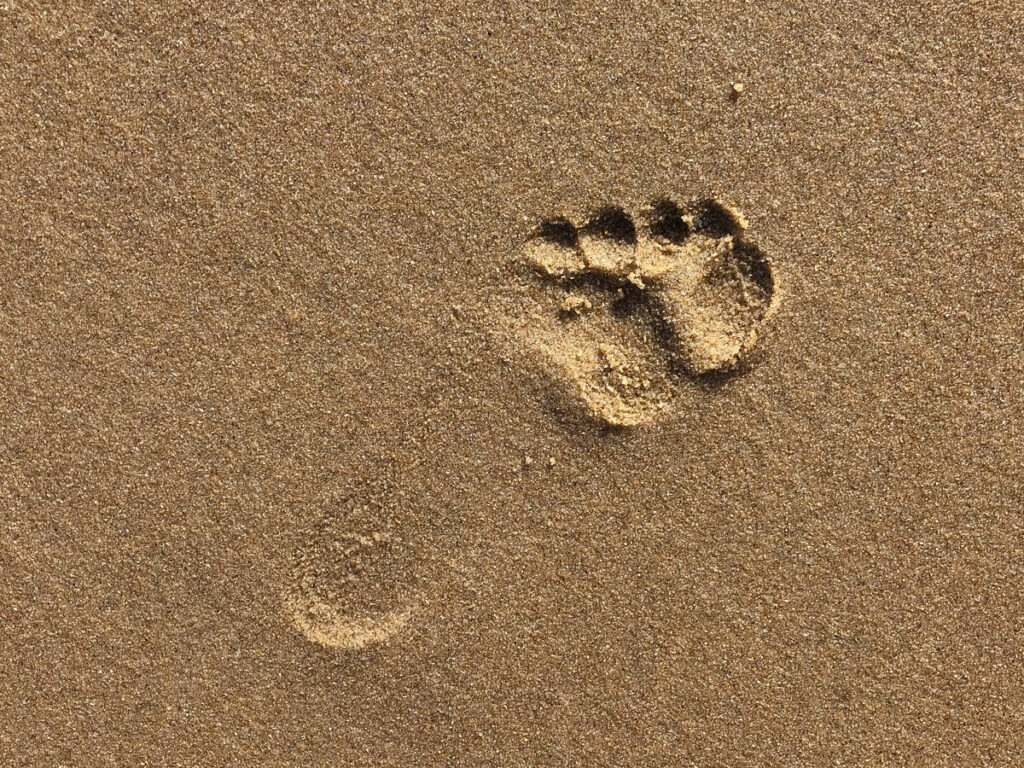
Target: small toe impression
x,y
554,248
667,222
716,220
612,223
559,232
608,242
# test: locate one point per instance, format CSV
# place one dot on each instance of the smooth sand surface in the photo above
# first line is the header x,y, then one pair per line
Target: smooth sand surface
x,y
290,472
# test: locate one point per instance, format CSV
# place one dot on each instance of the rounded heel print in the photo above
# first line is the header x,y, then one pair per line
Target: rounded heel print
x,y
352,573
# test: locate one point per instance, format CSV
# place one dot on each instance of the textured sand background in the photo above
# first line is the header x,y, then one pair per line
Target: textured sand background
x,y
254,259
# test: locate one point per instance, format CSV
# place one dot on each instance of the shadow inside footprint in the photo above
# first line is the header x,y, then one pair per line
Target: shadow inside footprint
x,y
754,265
716,220
667,222
612,223
558,232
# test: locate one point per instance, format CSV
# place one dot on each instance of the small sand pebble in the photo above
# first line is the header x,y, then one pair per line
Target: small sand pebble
x,y
575,305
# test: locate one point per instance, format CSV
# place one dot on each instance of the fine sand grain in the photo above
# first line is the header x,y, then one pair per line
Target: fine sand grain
x,y
490,384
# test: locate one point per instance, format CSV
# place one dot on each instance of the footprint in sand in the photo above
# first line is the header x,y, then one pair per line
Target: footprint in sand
x,y
626,315
352,577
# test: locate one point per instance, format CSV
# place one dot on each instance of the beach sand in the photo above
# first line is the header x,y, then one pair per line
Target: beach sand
x,y
309,456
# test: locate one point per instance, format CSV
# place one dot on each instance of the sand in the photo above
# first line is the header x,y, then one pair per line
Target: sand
x,y
308,455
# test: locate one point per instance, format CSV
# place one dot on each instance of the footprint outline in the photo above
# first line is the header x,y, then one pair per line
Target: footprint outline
x,y
686,271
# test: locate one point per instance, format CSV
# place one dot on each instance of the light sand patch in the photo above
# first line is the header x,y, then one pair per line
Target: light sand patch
x,y
322,623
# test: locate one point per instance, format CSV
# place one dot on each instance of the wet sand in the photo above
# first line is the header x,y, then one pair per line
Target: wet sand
x,y
296,465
